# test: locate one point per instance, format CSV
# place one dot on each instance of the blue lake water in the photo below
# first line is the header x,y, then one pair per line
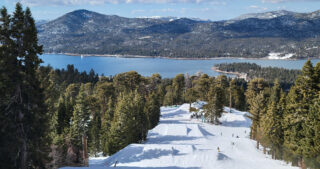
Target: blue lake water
x,y
148,66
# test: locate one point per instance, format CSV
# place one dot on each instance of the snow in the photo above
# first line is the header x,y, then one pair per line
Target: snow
x,y
179,142
279,56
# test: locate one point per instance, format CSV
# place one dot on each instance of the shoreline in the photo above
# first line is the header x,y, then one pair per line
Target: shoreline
x,y
164,57
237,74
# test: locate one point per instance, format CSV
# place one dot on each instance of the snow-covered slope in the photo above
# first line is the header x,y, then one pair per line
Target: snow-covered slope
x,y
179,142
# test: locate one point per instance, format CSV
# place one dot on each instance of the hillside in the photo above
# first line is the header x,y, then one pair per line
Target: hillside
x,y
253,35
180,143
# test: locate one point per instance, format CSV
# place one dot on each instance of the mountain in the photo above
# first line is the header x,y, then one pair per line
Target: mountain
x,y
252,35
41,22
266,15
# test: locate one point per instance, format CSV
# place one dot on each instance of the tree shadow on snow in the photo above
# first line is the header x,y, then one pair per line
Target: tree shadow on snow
x,y
221,156
204,132
178,113
135,154
176,122
237,123
168,139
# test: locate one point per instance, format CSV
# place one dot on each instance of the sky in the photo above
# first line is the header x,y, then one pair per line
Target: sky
x,y
204,9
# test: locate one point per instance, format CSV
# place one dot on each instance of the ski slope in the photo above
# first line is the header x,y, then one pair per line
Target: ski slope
x,y
179,142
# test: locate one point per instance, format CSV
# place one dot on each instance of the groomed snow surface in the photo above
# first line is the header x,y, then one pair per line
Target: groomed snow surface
x,y
179,142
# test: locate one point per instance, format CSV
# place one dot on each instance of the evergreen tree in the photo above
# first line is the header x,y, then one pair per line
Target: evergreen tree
x,y
256,99
169,97
26,119
272,121
311,141
178,89
222,82
80,119
152,110
300,99
120,130
214,108
191,96
105,127
202,86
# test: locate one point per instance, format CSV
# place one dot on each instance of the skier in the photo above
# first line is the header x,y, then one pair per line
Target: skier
x,y
218,150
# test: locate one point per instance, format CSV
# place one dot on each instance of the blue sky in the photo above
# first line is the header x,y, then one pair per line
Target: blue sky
x,y
204,9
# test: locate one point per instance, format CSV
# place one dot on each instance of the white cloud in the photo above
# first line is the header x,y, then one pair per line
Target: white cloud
x,y
99,2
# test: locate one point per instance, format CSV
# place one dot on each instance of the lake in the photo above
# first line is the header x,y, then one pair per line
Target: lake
x,y
147,66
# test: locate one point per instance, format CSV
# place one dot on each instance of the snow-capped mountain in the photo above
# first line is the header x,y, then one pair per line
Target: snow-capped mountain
x,y
266,15
252,35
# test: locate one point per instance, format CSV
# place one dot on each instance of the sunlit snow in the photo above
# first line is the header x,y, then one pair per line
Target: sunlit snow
x,y
179,142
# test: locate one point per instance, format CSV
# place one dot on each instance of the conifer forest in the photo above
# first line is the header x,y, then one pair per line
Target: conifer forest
x,y
50,118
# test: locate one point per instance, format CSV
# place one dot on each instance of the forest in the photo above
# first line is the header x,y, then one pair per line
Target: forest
x,y
47,115
286,77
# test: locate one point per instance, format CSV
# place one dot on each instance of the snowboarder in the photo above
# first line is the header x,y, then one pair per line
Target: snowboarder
x,y
218,150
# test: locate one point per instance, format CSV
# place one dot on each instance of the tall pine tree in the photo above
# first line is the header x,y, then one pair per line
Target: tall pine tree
x,y
24,112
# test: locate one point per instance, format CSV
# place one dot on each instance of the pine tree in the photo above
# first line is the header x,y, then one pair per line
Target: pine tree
x,y
191,96
272,121
232,93
178,89
300,99
311,130
256,99
80,118
202,86
214,108
169,97
152,110
105,127
257,110
222,82
120,135
26,114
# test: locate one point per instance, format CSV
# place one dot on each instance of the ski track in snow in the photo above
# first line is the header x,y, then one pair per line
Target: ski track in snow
x,y
179,142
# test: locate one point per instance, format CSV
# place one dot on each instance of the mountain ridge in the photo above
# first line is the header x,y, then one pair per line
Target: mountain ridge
x,y
251,35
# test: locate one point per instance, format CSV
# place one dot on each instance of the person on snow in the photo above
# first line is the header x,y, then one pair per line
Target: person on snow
x,y
202,118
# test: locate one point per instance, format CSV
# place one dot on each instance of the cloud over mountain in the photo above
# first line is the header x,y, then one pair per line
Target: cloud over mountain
x,y
99,2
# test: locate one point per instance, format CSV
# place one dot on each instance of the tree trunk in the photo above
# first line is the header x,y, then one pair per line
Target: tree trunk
x,y
264,150
23,154
230,101
85,151
258,144
273,154
301,163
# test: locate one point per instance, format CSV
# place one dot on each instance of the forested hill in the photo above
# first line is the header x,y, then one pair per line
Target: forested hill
x,y
286,77
252,35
